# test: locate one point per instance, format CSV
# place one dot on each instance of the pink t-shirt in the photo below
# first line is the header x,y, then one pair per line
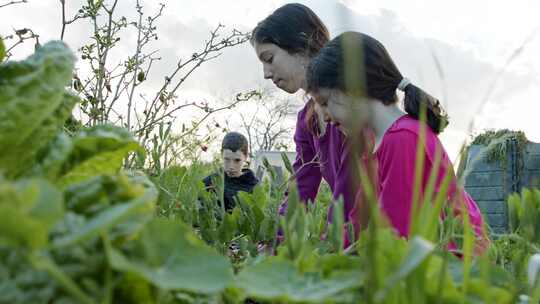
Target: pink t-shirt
x,y
395,168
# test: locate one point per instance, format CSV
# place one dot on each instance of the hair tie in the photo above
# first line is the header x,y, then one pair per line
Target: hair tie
x,y
403,84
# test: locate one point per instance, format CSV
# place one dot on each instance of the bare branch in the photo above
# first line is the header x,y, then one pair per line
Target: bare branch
x,y
235,38
136,69
140,43
107,84
13,2
22,35
267,128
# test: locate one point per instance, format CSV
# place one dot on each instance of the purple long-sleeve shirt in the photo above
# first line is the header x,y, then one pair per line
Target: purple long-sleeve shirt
x,y
322,157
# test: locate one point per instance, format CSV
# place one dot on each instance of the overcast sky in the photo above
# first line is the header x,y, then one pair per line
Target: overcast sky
x,y
471,41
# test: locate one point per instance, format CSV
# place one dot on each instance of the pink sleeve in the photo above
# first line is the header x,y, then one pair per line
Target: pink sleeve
x,y
396,160
460,199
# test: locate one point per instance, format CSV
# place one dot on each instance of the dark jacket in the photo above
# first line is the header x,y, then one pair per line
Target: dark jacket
x,y
245,182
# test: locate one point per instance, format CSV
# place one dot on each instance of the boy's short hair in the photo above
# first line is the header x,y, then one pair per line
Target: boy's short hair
x,y
235,141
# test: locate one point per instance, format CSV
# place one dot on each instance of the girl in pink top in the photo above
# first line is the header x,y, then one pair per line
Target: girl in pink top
x,y
354,80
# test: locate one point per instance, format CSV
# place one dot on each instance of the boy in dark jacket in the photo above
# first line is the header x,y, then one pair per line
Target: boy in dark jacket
x,y
234,151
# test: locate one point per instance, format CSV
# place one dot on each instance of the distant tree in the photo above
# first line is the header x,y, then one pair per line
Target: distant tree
x,y
269,127
112,91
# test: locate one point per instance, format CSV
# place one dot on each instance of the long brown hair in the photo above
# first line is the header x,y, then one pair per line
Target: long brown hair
x,y
360,65
296,29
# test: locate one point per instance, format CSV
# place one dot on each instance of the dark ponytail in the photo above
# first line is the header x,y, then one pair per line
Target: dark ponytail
x,y
360,65
416,101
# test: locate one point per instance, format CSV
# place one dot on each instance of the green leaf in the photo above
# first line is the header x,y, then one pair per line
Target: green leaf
x,y
20,161
336,227
33,104
103,163
269,168
287,162
170,256
294,224
28,209
54,157
514,210
48,265
103,191
2,50
255,203
293,201
331,263
134,289
419,251
439,284
171,178
227,228
110,217
95,151
278,280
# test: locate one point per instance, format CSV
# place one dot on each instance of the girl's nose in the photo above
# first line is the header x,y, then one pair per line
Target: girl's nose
x,y
267,73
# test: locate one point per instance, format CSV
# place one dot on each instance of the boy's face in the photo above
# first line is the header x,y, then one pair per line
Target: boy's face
x,y
233,162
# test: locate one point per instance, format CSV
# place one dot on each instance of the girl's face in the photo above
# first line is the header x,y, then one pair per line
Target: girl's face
x,y
285,70
346,112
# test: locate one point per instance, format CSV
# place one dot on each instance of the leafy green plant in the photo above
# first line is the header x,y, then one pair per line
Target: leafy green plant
x,y
70,216
496,142
33,110
76,227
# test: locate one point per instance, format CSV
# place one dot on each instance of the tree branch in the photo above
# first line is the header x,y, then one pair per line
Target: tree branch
x,y
13,2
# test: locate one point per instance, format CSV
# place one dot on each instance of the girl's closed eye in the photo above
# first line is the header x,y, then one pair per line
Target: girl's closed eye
x,y
322,103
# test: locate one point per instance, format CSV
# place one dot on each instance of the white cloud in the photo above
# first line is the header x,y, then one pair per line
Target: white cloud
x,y
471,40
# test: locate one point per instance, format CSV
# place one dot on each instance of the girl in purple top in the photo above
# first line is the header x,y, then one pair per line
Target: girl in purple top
x,y
285,42
354,80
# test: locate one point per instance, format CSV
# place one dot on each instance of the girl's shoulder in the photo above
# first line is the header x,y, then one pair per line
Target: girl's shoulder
x,y
402,131
410,124
404,134
408,127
